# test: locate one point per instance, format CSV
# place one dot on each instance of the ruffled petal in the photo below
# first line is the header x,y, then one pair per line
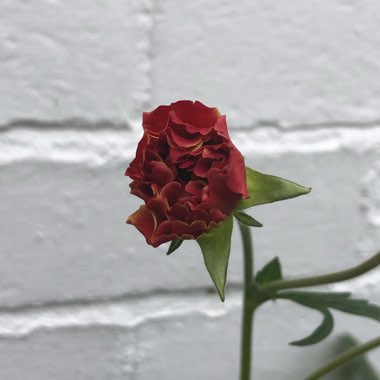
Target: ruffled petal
x,y
187,171
145,221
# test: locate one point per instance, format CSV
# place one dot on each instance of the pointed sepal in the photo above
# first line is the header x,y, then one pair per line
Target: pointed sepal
x,y
265,188
174,245
246,219
215,246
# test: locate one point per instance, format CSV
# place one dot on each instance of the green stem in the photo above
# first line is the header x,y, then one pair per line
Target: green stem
x,y
248,305
343,275
343,358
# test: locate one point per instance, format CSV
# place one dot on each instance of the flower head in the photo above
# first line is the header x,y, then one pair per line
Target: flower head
x,y
187,171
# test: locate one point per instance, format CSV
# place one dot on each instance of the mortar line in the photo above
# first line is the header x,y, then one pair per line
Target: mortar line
x,y
82,124
114,313
115,298
70,124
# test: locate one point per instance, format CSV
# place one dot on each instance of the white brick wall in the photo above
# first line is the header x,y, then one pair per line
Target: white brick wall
x,y
81,294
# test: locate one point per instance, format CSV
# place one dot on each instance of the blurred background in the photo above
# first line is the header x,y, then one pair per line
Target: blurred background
x,y
81,294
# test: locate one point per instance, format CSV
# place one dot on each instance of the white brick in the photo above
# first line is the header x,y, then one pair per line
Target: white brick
x,y
98,144
286,62
68,354
64,235
371,195
82,296
193,336
66,59
208,348
370,239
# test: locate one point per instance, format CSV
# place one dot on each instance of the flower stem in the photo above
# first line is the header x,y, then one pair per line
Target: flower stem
x,y
343,275
343,358
248,305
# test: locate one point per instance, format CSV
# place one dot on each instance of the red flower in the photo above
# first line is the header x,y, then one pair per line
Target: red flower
x,y
187,171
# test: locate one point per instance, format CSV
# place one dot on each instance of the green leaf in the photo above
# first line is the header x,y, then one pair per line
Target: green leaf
x,y
247,219
174,245
265,188
215,246
338,301
270,272
320,333
323,301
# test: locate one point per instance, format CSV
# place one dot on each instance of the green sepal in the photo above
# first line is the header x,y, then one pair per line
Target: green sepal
x,y
320,333
246,219
265,188
174,245
215,246
269,273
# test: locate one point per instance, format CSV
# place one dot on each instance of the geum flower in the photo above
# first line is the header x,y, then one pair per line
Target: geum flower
x,y
188,172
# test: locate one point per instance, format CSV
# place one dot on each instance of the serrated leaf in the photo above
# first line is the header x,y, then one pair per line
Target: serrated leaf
x,y
269,273
320,333
174,245
265,188
247,219
338,301
215,246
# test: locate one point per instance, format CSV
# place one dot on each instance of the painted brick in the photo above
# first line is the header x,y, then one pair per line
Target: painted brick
x,y
287,62
73,59
68,353
208,348
201,341
81,294
64,236
371,207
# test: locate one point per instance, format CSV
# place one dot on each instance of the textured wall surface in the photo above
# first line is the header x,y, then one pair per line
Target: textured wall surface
x,y
81,295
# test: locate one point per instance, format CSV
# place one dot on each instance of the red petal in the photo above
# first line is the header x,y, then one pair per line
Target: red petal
x,y
142,190
202,167
195,187
198,214
159,206
194,229
181,228
212,151
178,212
156,121
221,127
171,192
134,169
236,175
216,215
220,196
189,164
159,173
145,221
177,155
151,155
199,118
178,136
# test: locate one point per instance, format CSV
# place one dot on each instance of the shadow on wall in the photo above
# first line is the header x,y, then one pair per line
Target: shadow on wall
x,y
357,369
